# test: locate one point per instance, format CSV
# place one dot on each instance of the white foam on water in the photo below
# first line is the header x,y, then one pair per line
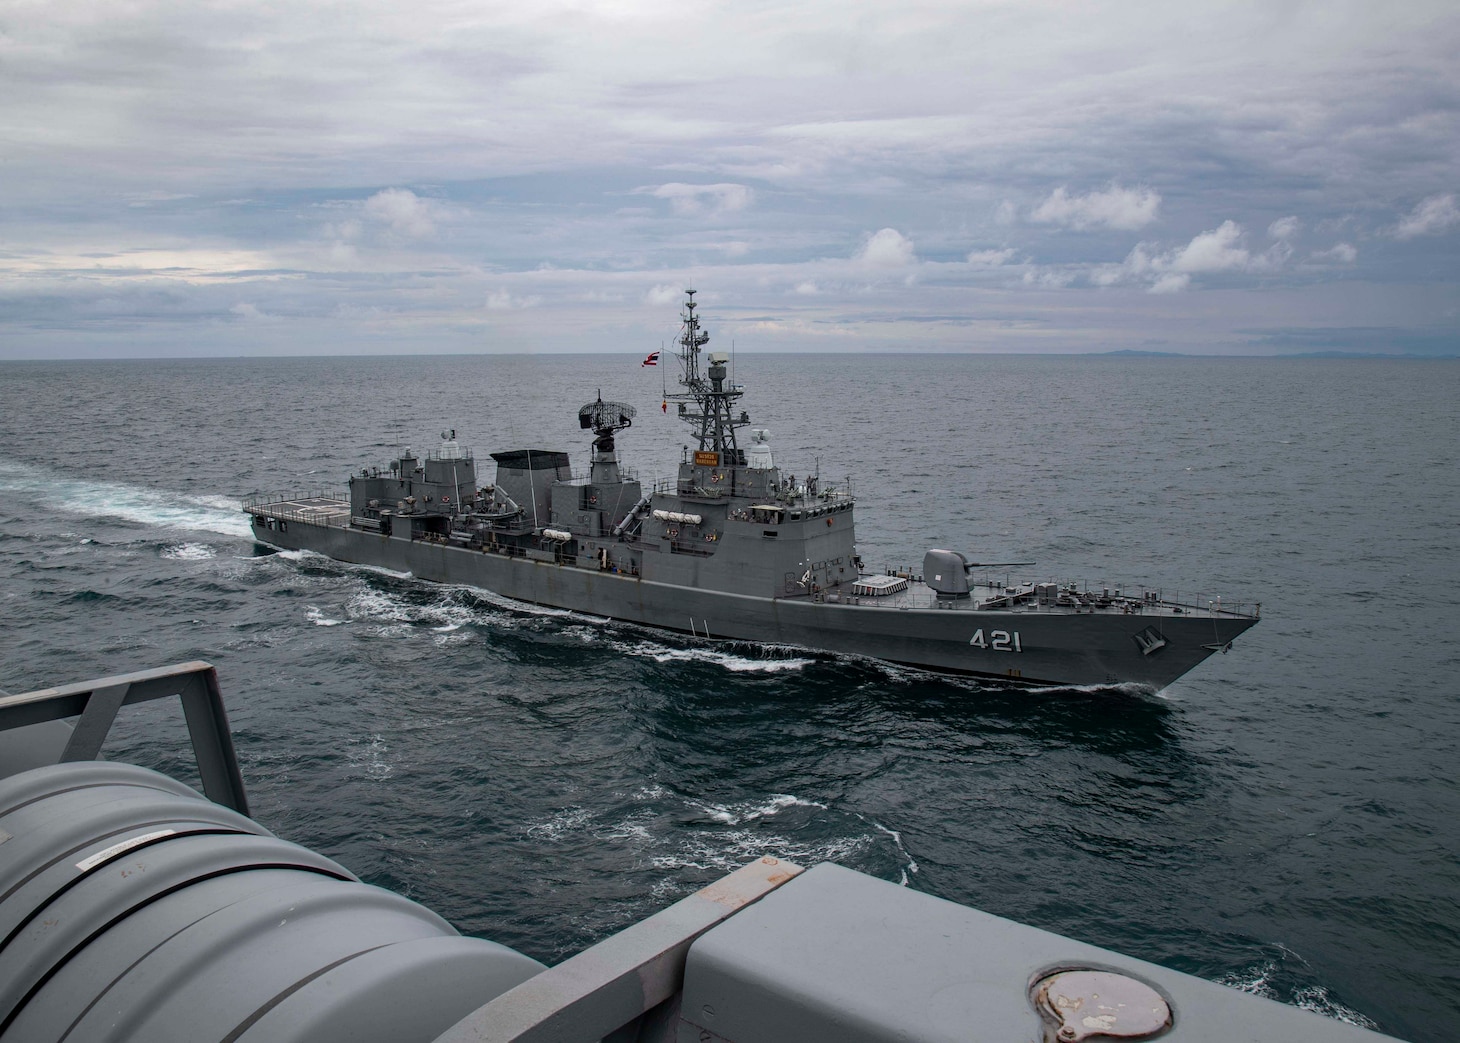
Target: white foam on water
x,y
910,865
368,758
569,821
1135,688
491,597
132,503
628,829
727,660
1315,998
379,570
735,814
376,606
725,851
189,552
319,619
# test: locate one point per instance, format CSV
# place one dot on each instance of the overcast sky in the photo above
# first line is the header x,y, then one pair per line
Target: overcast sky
x,y
383,177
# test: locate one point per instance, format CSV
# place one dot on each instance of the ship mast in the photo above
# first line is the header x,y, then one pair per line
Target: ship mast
x,y
707,403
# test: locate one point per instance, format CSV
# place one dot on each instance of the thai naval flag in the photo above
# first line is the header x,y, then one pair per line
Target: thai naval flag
x,y
652,360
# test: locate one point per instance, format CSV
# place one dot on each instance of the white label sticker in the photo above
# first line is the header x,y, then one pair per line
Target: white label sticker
x,y
107,854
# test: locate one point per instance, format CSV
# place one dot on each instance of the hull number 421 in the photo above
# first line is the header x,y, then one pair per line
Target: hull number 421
x,y
998,640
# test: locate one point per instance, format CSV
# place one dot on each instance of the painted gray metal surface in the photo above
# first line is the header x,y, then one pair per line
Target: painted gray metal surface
x,y
612,984
732,548
133,909
835,956
1064,648
96,703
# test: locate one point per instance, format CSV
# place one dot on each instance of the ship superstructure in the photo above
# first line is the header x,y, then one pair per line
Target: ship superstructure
x,y
732,547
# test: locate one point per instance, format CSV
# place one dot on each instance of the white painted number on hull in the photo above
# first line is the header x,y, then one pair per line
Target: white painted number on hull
x,y
998,640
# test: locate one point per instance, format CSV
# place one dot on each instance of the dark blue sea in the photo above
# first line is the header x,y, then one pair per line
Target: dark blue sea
x,y
1284,820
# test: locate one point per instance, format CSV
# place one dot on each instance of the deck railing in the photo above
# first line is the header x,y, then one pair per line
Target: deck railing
x,y
94,704
253,500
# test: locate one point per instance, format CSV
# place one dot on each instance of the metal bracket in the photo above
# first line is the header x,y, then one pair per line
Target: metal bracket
x,y
96,704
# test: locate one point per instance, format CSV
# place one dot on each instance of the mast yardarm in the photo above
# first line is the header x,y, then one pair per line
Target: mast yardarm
x,y
708,401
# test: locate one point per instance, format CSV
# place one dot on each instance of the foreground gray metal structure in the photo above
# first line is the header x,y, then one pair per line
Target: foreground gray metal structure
x,y
133,910
733,547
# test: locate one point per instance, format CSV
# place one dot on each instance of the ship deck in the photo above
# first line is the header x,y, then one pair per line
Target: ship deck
x,y
317,509
994,597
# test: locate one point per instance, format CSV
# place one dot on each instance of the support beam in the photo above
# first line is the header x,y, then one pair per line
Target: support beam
x,y
612,983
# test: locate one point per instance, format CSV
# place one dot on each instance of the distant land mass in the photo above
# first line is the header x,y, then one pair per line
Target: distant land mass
x,y
1131,353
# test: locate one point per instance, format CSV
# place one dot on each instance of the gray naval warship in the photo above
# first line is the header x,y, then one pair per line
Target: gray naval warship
x,y
732,548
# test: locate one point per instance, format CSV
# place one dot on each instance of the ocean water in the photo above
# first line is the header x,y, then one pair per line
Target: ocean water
x,y
1283,820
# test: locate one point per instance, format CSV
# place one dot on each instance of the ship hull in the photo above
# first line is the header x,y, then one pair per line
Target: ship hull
x,y
1026,647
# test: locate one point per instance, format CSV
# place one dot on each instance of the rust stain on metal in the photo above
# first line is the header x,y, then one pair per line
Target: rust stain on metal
x,y
729,897
1083,1004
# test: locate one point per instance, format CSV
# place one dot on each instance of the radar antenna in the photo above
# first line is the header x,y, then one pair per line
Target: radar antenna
x,y
605,418
707,403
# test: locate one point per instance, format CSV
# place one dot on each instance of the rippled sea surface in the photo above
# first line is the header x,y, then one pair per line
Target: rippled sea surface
x,y
1283,820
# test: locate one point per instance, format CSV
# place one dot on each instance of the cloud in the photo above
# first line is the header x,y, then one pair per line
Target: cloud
x,y
887,248
1343,253
501,300
402,212
704,200
1431,217
989,258
248,312
662,294
1121,208
807,289
1172,282
604,140
1219,250
1284,228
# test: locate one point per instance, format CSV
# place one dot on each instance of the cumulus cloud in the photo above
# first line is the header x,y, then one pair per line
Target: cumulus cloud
x,y
1343,253
1172,282
249,312
703,200
1116,207
1431,217
663,294
1219,250
1049,278
989,258
887,248
402,212
1284,228
501,300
